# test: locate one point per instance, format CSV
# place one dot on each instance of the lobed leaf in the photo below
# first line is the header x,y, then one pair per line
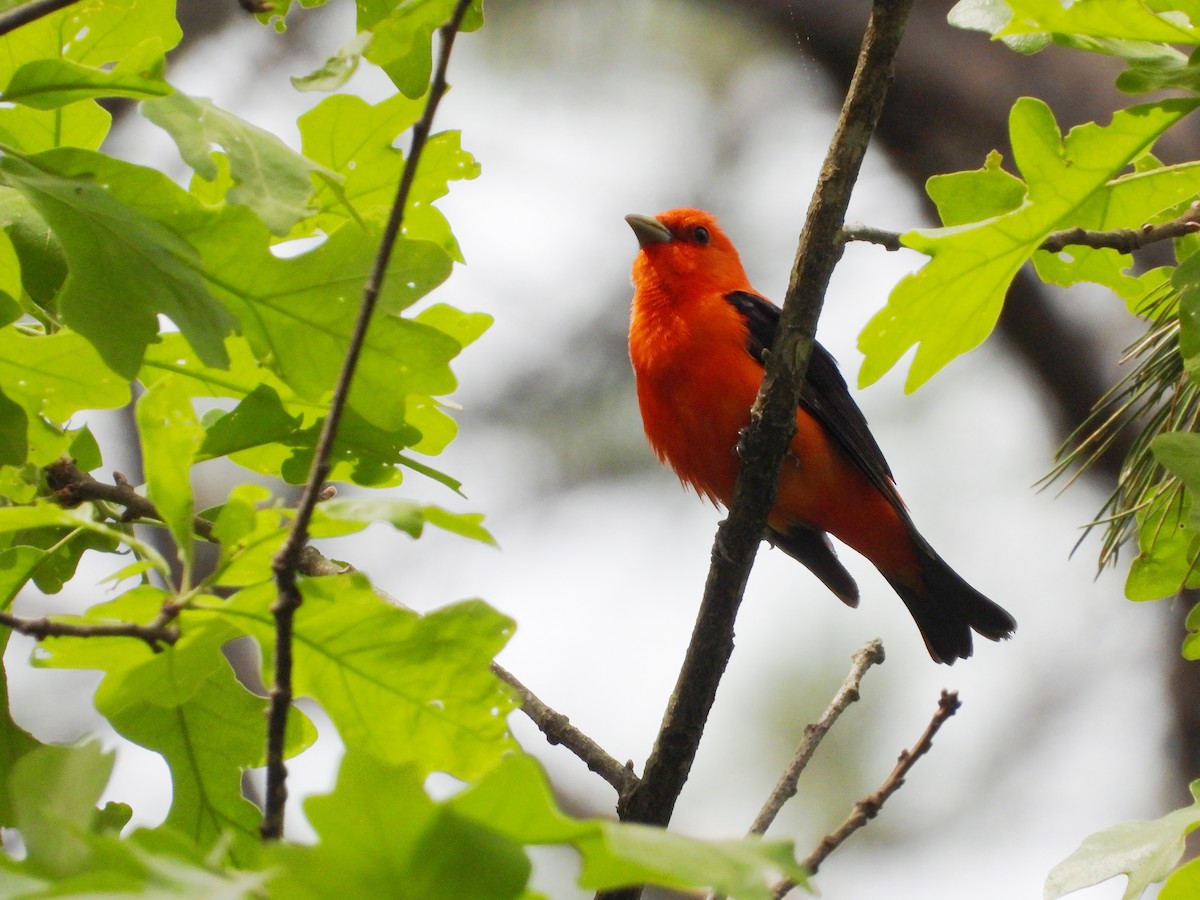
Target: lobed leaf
x,y
950,305
125,267
266,175
186,703
1146,851
408,689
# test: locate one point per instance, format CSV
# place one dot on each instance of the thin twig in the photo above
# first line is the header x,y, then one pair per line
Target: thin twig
x,y
558,730
156,634
1124,240
867,808
31,12
286,562
772,423
870,655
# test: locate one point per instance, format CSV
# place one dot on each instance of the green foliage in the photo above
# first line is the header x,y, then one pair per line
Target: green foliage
x,y
1145,851
472,845
224,309
1103,179
951,305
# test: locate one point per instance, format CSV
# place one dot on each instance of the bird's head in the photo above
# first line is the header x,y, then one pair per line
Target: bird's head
x,y
685,246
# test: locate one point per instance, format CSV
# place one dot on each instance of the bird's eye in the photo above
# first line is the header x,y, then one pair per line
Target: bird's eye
x,y
700,235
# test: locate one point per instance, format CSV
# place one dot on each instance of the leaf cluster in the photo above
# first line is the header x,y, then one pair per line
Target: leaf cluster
x,y
1077,206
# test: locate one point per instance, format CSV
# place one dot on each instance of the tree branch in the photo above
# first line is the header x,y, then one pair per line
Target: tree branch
x,y
870,655
72,486
287,561
156,634
1124,240
558,730
772,423
869,807
31,12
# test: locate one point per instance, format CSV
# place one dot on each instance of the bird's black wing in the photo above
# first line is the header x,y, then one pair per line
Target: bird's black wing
x,y
825,395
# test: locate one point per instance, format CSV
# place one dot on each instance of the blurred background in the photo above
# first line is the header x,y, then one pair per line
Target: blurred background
x,y
580,113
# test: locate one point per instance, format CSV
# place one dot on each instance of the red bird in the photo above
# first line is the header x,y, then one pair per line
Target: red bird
x,y
698,337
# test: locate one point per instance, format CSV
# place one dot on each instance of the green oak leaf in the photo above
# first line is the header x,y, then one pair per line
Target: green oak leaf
x,y
125,267
1146,851
258,419
267,176
355,513
54,792
403,687
300,311
186,703
1127,202
171,437
356,140
1186,280
51,83
1120,19
401,37
991,16
1168,535
337,69
371,840
1184,883
94,33
80,125
963,197
57,375
951,304
14,427
37,257
363,453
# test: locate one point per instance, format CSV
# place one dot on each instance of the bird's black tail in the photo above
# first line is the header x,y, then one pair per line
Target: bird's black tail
x,y
948,609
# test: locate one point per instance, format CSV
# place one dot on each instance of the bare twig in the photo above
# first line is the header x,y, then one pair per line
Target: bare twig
x,y
1125,240
772,423
158,633
870,655
287,561
867,808
868,234
558,730
31,12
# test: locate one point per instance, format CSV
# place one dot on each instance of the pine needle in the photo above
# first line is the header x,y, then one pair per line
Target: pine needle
x,y
1155,397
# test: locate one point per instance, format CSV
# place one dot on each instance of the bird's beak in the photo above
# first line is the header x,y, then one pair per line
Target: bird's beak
x,y
648,229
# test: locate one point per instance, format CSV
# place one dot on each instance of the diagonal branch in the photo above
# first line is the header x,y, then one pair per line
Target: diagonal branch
x,y
287,561
868,656
558,730
869,807
772,424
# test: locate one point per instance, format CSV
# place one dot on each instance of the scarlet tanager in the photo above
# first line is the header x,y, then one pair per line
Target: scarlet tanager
x,y
698,337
